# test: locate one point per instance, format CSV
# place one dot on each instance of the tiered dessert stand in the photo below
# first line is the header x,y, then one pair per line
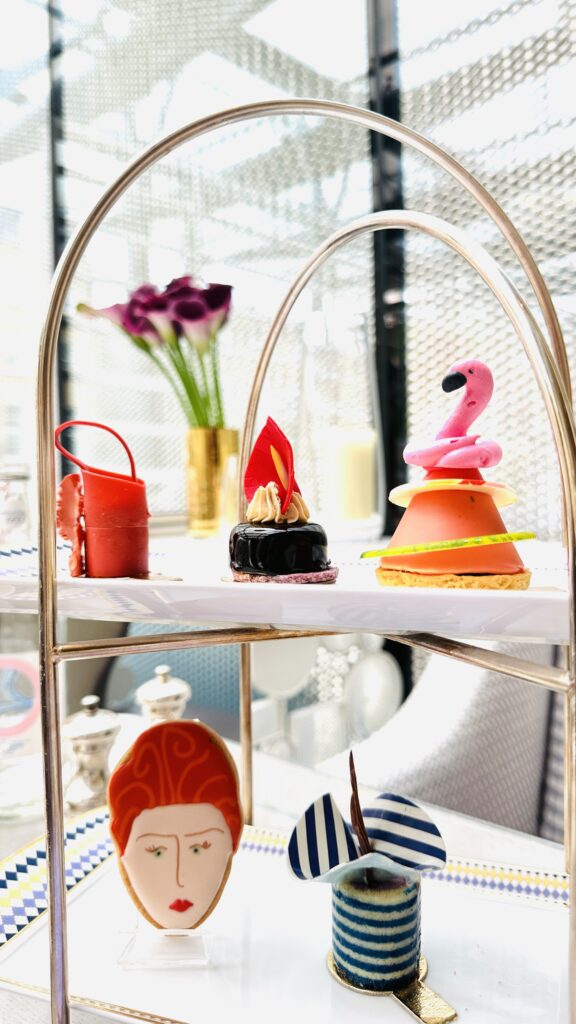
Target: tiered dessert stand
x,y
547,356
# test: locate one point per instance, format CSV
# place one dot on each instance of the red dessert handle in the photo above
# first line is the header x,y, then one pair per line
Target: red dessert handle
x,y
75,459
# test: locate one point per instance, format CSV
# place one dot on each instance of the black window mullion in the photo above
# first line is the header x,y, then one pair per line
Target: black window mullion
x,y
389,324
59,230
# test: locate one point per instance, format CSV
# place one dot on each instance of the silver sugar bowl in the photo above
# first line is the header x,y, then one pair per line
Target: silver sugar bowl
x,y
15,525
91,733
163,698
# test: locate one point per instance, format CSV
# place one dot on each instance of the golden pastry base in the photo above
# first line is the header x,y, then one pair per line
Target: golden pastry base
x,y
406,578
424,1004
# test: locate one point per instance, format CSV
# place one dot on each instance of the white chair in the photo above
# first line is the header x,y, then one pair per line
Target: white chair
x,y
465,739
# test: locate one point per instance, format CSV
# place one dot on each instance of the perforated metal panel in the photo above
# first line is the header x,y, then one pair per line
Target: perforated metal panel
x,y
552,809
494,85
246,205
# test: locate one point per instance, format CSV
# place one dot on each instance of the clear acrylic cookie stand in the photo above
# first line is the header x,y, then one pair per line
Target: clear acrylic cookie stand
x,y
547,356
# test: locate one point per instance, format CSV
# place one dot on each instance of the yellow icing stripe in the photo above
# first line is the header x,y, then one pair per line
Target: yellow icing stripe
x,y
443,545
280,467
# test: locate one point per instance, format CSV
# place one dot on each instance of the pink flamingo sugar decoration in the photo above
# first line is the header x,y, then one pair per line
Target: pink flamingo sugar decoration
x,y
454,448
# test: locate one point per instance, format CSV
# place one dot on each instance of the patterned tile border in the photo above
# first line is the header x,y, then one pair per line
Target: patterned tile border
x,y
23,875
260,840
22,563
502,880
88,844
505,880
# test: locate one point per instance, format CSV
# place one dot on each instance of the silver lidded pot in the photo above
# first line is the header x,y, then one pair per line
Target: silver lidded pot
x,y
15,526
91,733
163,698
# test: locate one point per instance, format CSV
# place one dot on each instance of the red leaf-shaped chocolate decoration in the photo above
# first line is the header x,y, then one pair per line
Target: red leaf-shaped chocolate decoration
x,y
69,510
271,459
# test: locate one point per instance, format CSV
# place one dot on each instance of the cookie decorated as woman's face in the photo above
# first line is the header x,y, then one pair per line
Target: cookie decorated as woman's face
x,y
177,860
176,821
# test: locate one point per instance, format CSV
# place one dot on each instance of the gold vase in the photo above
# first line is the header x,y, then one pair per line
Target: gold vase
x,y
209,450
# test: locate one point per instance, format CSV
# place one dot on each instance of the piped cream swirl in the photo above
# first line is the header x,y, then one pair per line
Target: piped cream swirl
x,y
265,507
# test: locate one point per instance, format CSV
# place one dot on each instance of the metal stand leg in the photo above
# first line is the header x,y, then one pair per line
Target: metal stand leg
x,y
54,838
569,768
246,732
569,828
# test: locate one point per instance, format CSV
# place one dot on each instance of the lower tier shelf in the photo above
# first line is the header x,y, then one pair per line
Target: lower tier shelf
x,y
496,939
192,584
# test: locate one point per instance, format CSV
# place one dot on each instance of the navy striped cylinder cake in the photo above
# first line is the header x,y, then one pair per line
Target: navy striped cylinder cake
x,y
376,932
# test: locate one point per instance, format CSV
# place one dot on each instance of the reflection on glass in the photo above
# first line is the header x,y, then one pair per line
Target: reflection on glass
x,y
21,779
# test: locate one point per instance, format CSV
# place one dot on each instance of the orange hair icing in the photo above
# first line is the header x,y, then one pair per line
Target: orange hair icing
x,y
174,763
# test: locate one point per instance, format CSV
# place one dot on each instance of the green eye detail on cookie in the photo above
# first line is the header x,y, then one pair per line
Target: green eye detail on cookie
x,y
156,851
198,847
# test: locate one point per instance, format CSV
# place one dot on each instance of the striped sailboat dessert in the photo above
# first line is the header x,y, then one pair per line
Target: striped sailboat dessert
x,y
374,866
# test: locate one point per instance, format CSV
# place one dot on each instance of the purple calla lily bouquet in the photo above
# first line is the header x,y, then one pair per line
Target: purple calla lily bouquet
x,y
177,329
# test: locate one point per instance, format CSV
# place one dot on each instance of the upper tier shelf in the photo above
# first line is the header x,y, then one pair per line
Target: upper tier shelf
x,y
203,593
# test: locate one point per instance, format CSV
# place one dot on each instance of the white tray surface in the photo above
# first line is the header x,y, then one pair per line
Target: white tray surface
x,y
497,956
204,594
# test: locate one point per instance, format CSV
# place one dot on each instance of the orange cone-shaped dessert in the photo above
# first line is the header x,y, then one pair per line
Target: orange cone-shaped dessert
x,y
453,511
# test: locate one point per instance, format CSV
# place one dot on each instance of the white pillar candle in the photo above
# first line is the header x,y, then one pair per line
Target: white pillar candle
x,y
348,488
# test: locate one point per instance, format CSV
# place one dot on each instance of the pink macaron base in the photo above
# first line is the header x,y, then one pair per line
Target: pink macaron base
x,y
326,576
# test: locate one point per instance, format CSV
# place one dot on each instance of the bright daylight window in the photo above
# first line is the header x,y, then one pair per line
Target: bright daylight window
x,y
492,82
494,85
25,221
245,206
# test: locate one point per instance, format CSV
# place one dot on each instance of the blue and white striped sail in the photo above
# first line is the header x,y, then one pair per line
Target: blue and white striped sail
x,y
404,841
403,832
321,840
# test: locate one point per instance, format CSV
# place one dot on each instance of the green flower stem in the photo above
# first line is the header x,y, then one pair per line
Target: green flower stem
x,y
216,380
201,406
205,384
190,385
197,357
196,360
174,385
148,350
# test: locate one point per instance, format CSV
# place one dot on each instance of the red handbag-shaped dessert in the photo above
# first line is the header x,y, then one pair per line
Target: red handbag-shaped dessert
x,y
103,514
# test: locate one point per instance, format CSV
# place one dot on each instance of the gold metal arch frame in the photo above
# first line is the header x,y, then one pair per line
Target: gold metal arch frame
x,y
550,366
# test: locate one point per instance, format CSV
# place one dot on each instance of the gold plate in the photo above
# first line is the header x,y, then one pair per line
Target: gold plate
x,y
424,1004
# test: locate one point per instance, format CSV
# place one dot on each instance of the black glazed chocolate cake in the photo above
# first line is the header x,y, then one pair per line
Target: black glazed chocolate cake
x,y
277,544
278,549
